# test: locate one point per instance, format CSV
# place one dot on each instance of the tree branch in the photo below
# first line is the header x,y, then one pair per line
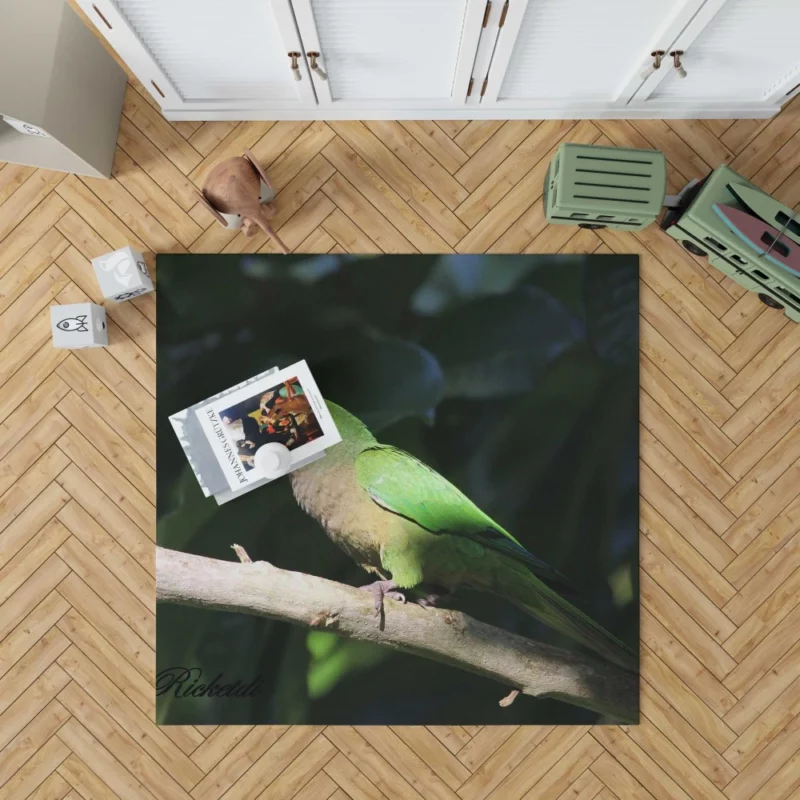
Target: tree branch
x,y
443,635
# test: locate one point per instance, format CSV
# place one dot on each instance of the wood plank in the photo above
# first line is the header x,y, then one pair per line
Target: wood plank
x,y
128,589
536,148
236,763
362,217
149,230
674,325
30,267
32,228
153,161
684,448
97,215
438,144
31,738
402,181
309,144
763,474
503,762
488,158
25,199
767,617
760,404
104,767
683,481
149,737
761,513
517,192
683,555
158,203
435,777
344,231
764,582
429,171
669,613
761,732
355,170
37,769
684,737
761,696
12,176
676,584
452,127
32,301
91,606
318,241
160,132
757,553
303,223
476,133
209,134
684,412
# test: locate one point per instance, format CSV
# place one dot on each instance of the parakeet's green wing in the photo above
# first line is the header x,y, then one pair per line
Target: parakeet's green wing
x,y
405,486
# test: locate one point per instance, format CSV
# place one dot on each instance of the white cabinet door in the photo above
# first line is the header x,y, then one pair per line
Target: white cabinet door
x,y
208,55
390,54
579,53
736,51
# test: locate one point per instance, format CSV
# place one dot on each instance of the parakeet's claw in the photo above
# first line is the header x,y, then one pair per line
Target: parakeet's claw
x,y
381,589
431,600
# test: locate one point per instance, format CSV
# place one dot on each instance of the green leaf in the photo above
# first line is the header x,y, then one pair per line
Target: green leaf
x,y
457,278
382,381
334,658
191,509
496,346
611,299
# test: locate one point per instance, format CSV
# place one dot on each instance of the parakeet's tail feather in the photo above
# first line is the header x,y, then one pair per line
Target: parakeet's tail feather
x,y
533,597
504,543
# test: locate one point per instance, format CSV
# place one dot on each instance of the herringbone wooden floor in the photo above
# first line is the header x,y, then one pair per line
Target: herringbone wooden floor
x,y
720,468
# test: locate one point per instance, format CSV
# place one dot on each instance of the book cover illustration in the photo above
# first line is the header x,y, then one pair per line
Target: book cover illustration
x,y
286,407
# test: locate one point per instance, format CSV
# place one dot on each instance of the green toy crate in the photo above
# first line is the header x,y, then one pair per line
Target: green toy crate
x,y
702,232
605,187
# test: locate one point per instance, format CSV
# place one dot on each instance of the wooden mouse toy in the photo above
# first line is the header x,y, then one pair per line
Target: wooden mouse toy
x,y
234,189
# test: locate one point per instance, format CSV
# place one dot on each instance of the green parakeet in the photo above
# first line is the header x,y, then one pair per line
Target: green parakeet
x,y
402,521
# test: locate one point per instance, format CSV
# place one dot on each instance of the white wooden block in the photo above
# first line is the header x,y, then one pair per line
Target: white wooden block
x,y
122,274
79,325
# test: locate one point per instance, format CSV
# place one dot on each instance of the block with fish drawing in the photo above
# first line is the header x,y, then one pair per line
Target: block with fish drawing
x,y
122,275
78,325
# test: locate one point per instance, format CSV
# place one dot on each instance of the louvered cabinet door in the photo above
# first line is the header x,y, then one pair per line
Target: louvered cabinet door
x,y
568,53
208,55
390,54
737,51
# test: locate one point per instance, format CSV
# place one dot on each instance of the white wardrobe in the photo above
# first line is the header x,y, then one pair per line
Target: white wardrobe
x,y
439,59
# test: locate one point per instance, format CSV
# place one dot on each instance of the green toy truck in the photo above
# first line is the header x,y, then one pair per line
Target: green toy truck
x,y
625,189
696,225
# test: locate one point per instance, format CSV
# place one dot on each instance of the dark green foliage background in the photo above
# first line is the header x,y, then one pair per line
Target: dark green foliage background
x,y
516,377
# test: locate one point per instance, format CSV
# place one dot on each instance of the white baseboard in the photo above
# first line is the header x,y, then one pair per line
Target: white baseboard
x,y
693,111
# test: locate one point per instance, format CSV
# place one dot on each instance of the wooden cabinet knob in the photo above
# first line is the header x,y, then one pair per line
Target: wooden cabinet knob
x,y
295,67
312,57
657,56
676,60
